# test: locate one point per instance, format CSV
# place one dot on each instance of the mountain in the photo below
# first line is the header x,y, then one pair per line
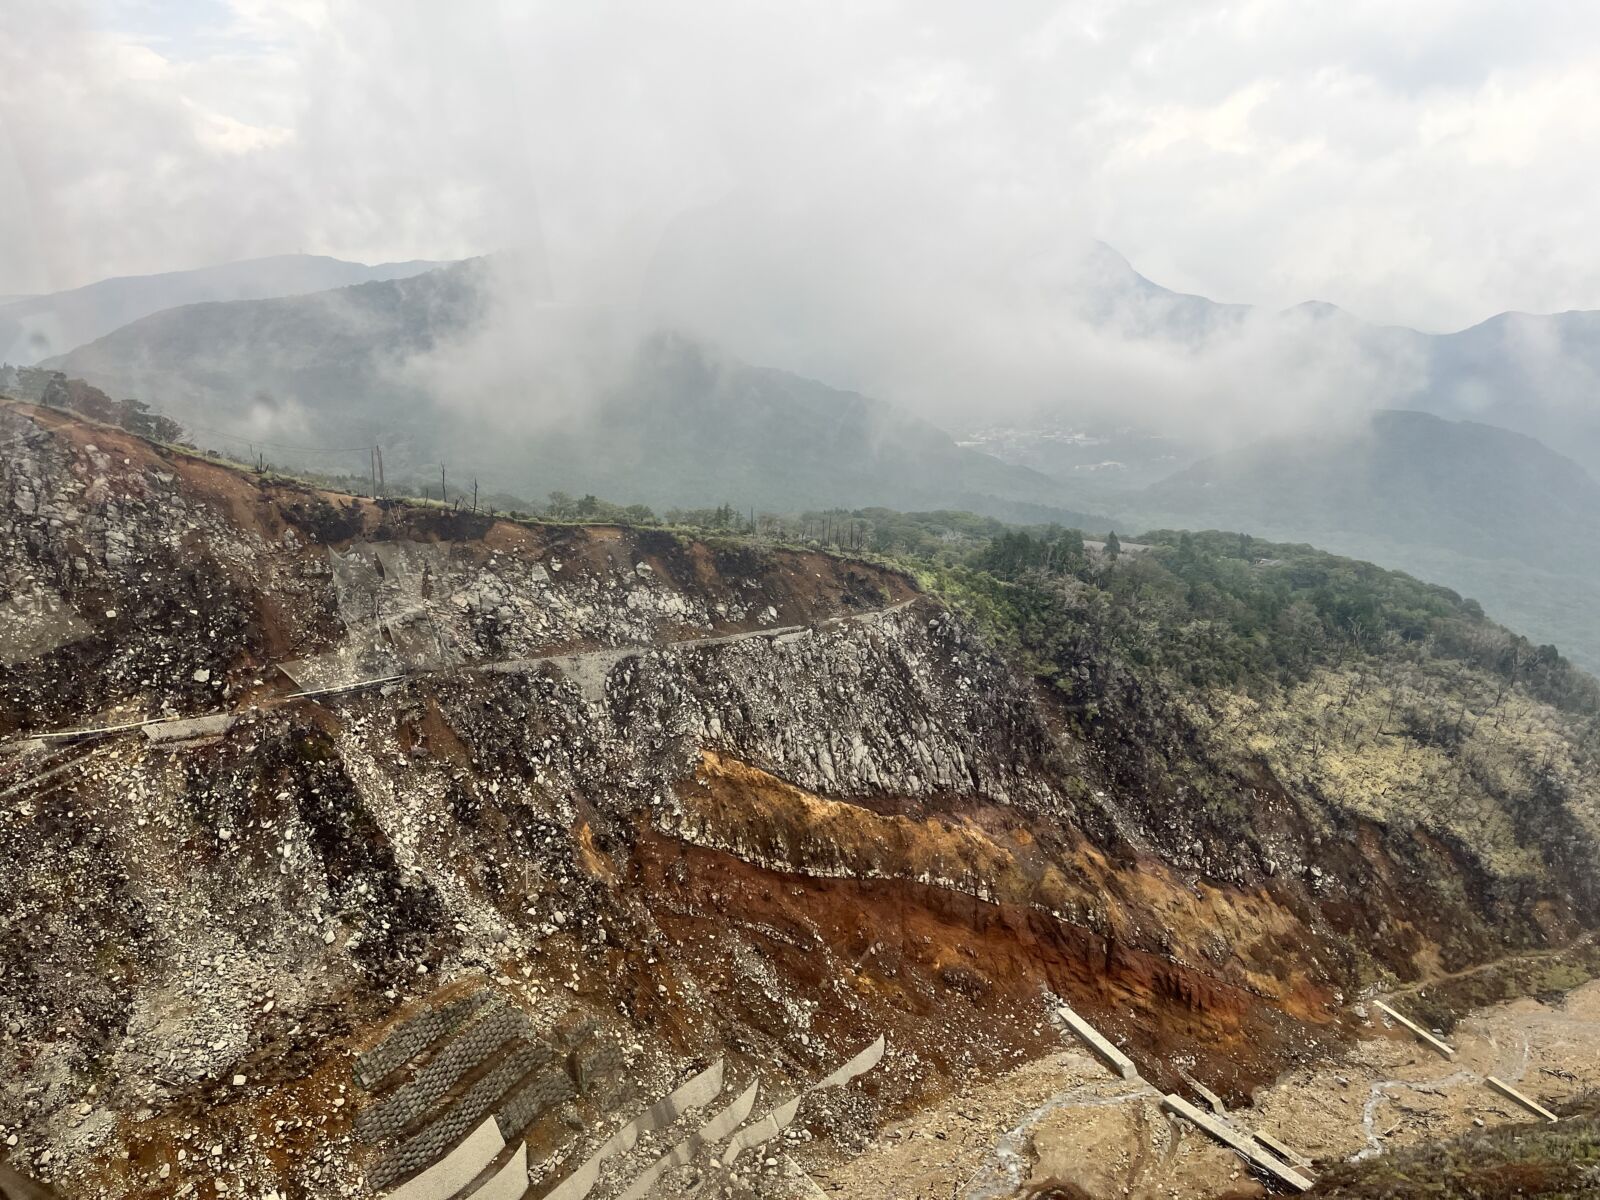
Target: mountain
x,y
548,399
1409,476
1452,479
1532,374
36,327
1106,291
1497,515
345,838
538,397
1538,375
690,426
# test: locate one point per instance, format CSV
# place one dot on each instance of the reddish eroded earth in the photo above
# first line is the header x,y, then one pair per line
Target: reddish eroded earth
x,y
881,910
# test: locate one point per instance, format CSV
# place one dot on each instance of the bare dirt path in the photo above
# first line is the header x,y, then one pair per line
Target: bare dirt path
x,y
1527,958
574,664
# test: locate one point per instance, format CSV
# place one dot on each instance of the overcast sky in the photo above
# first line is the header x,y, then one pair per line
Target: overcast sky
x,y
1426,162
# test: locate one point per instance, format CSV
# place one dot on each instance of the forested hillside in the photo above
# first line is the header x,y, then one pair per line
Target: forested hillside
x,y
1193,664
1494,514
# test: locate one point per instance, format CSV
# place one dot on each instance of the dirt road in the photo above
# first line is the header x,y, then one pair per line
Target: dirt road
x,y
588,668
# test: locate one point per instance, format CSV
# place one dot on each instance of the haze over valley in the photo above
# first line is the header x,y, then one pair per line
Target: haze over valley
x,y
471,367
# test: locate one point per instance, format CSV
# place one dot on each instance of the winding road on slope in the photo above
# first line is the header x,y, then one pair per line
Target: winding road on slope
x,y
588,669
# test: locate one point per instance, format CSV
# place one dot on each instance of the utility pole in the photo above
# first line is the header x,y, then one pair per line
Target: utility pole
x,y
474,497
372,466
443,499
379,451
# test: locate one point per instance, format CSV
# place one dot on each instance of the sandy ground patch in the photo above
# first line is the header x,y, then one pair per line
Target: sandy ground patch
x,y
1063,1126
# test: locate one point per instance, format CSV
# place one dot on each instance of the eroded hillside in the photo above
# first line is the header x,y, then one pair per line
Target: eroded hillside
x,y
669,802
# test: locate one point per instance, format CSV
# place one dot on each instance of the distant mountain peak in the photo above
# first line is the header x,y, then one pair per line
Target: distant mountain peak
x,y
1320,310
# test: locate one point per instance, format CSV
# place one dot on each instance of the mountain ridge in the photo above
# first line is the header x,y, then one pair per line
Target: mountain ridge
x,y
1532,373
666,421
638,418
36,326
665,789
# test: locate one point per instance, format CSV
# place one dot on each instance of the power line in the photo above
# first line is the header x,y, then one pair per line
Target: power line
x,y
250,441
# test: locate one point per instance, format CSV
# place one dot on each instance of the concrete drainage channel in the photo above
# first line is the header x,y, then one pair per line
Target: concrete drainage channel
x,y
464,1088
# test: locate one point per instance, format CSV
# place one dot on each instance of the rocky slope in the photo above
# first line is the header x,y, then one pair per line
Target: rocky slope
x,y
692,800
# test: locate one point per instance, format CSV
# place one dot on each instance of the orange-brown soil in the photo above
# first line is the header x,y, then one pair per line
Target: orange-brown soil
x,y
885,909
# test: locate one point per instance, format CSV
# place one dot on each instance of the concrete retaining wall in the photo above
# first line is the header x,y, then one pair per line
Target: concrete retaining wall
x,y
1107,1053
1232,1138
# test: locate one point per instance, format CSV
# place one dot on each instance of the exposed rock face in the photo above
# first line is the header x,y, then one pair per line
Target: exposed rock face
x,y
757,803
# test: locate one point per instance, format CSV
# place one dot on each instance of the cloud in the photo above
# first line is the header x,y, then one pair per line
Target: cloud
x,y
889,194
